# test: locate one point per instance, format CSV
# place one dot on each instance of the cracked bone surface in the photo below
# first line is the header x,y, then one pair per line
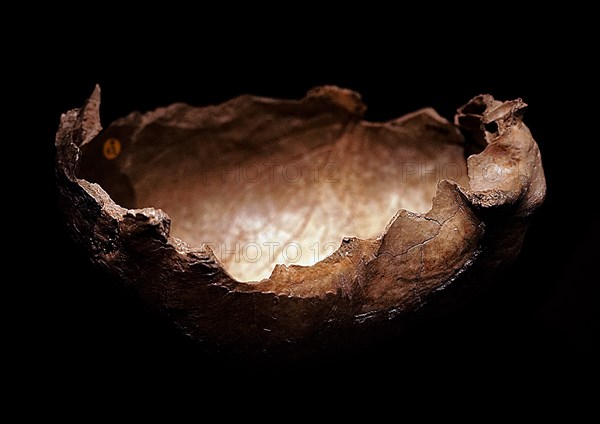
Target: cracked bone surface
x,y
288,226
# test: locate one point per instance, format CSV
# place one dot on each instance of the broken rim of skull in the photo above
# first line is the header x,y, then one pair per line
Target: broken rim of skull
x,y
288,228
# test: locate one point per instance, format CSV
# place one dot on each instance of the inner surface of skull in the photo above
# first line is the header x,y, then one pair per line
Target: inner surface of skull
x,y
265,182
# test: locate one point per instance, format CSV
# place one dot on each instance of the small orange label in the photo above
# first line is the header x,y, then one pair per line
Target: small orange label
x,y
112,148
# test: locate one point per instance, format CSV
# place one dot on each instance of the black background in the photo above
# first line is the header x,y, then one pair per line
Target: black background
x,y
538,325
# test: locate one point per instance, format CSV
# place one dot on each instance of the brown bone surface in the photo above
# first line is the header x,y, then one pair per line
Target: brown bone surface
x,y
295,227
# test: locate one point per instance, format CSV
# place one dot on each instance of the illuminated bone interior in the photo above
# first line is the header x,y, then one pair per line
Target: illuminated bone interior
x,y
265,183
